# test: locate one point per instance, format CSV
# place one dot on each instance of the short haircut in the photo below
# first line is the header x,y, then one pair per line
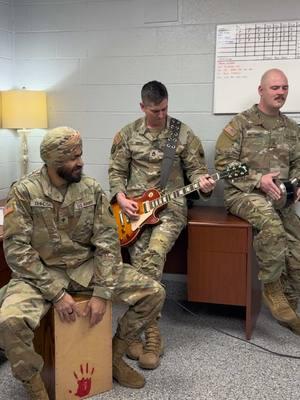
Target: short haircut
x,y
271,72
154,92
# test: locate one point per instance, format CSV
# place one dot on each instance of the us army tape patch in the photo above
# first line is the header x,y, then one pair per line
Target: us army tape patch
x,y
82,204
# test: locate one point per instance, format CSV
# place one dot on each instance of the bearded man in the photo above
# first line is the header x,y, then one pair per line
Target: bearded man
x,y
60,239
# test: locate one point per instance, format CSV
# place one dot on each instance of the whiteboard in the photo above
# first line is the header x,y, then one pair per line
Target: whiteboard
x,y
244,52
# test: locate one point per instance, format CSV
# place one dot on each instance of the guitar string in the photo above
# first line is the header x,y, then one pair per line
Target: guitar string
x,y
231,173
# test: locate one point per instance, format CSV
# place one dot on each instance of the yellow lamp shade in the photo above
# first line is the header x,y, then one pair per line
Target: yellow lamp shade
x,y
24,109
0,109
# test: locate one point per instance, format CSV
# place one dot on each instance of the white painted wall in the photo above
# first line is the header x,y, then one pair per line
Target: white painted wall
x,y
93,56
8,139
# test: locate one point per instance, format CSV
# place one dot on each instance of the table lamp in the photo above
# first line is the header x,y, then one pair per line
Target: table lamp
x,y
0,110
24,110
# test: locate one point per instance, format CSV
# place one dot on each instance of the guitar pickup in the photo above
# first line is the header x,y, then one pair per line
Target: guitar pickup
x,y
121,218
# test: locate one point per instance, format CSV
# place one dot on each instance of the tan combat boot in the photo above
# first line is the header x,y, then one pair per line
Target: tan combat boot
x,y
153,348
278,304
135,349
36,388
292,302
122,372
295,325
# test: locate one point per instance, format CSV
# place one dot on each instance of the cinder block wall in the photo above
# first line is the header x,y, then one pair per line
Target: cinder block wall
x,y
8,139
92,57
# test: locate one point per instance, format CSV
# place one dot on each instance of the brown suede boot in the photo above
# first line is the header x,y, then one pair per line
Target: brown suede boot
x,y
278,304
295,325
153,348
135,349
292,302
122,372
36,388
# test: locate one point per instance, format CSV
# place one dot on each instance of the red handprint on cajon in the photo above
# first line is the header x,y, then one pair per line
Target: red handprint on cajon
x,y
85,383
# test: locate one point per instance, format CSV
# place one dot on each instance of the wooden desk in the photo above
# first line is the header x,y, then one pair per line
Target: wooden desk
x,y
221,265
4,270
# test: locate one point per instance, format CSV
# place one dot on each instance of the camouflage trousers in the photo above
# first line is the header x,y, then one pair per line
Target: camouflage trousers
x,y
148,254
276,239
23,307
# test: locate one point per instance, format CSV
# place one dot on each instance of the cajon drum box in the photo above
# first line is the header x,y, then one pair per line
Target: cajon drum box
x,y
77,358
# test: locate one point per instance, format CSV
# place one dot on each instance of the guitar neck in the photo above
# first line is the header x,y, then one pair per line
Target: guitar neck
x,y
176,194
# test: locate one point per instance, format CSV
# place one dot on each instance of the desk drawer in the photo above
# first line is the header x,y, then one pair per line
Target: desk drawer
x,y
217,239
217,278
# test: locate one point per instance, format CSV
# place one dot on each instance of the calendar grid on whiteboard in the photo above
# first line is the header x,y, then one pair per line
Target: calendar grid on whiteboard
x,y
244,52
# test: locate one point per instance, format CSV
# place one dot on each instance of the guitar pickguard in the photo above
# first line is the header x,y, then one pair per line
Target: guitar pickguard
x,y
139,222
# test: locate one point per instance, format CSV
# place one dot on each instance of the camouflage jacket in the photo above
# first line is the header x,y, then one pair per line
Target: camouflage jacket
x,y
50,239
249,139
136,158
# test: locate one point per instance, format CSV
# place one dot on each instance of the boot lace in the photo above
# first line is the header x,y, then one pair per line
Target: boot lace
x,y
152,340
279,299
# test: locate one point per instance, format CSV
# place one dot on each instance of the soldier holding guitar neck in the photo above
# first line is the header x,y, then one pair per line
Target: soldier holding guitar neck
x,y
135,166
269,143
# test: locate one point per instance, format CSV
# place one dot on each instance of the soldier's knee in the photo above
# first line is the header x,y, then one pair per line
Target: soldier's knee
x,y
8,327
160,292
6,322
156,255
160,247
12,326
273,227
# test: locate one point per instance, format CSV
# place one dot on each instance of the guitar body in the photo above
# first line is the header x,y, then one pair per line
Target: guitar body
x,y
128,230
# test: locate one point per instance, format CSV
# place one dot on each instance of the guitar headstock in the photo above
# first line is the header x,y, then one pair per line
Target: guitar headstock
x,y
235,170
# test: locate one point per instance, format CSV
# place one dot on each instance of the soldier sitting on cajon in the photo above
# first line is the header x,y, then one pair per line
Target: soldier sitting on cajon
x,y
60,238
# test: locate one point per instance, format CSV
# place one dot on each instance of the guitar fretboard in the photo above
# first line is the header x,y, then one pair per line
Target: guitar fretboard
x,y
235,170
165,198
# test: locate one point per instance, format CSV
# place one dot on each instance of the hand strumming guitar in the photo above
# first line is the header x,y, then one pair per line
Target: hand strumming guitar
x,y
129,207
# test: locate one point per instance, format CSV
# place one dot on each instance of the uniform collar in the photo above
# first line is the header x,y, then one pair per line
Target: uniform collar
x,y
147,133
258,118
74,190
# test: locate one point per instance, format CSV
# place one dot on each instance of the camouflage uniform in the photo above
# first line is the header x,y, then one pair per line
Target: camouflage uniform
x,y
53,242
266,144
135,166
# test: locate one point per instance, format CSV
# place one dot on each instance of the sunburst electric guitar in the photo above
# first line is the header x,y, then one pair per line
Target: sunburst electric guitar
x,y
152,201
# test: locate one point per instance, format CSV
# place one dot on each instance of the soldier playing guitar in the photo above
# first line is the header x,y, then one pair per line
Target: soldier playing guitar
x,y
135,167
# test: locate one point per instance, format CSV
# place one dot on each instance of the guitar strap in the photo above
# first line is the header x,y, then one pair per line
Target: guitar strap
x,y
169,151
